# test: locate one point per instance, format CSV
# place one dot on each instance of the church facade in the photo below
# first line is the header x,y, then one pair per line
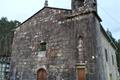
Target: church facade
x,y
63,44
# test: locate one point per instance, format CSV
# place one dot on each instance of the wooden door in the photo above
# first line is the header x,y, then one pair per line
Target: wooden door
x,y
81,74
41,74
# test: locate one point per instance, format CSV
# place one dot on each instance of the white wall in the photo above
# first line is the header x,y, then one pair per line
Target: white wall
x,y
108,66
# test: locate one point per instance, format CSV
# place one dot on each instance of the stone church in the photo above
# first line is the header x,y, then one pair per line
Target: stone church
x,y
64,44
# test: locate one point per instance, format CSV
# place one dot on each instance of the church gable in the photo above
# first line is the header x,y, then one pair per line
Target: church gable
x,y
46,14
42,30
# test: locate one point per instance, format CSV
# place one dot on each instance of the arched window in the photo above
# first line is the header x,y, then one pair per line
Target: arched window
x,y
41,74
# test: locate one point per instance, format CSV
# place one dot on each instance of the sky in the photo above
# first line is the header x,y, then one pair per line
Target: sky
x,y
20,10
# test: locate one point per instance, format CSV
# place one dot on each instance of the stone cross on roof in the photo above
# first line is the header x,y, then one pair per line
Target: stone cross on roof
x,y
46,3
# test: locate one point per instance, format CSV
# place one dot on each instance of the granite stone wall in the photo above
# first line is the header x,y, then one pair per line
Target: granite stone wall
x,y
61,30
61,36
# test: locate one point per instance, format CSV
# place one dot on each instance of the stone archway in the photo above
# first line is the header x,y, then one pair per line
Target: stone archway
x,y
41,74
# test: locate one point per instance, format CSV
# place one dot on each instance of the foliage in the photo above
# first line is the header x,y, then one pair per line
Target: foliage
x,y
6,35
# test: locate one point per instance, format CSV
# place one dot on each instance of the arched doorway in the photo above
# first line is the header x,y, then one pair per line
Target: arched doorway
x,y
41,74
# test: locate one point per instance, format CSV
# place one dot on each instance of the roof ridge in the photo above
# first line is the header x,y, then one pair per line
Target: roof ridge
x,y
40,11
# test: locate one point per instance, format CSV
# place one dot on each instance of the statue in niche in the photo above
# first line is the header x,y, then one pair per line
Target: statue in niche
x,y
80,44
80,49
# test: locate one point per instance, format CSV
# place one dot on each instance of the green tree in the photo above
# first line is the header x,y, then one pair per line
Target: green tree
x,y
6,35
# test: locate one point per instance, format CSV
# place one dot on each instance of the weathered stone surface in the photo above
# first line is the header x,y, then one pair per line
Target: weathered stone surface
x,y
61,30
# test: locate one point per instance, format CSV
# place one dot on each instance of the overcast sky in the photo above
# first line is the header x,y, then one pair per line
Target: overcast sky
x,y
20,10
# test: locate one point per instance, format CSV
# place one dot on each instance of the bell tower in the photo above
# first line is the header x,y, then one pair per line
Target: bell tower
x,y
76,4
86,23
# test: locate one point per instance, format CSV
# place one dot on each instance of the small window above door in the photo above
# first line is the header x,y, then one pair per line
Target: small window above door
x,y
42,46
